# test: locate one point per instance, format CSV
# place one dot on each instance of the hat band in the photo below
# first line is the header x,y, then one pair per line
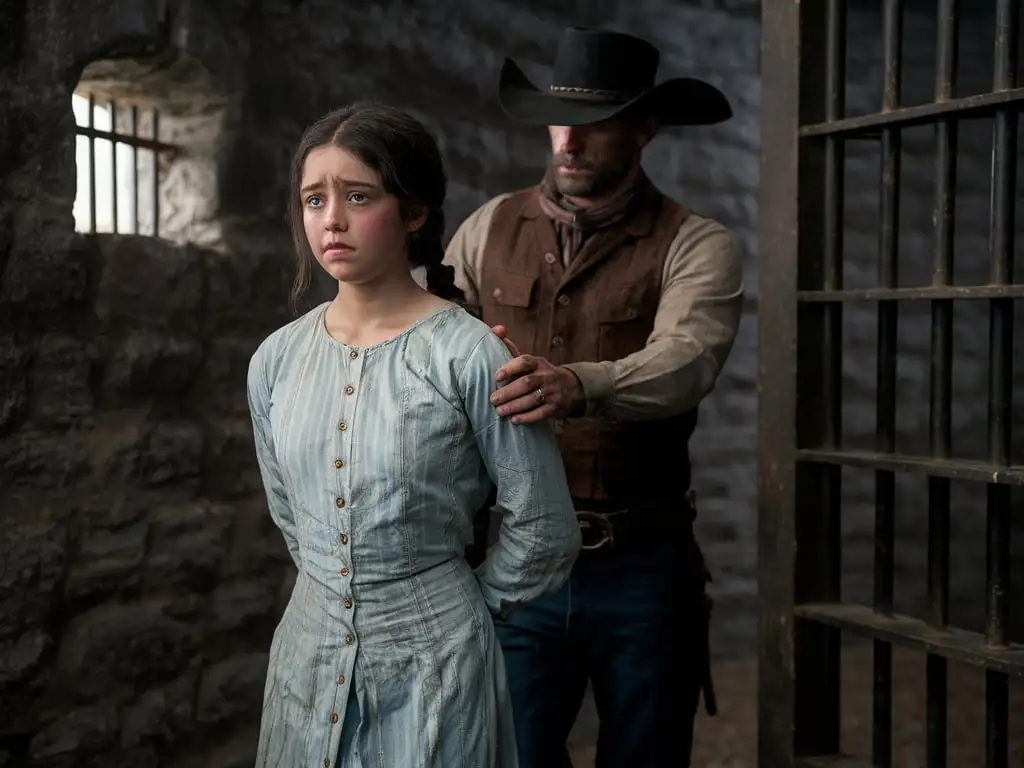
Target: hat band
x,y
590,94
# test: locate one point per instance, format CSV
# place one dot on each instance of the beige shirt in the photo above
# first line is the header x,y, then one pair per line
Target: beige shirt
x,y
694,328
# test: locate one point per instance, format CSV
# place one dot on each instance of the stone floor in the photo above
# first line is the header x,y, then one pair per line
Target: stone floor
x,y
729,740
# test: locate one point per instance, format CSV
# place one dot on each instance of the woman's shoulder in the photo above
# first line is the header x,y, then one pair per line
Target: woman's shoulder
x,y
460,338
273,350
457,353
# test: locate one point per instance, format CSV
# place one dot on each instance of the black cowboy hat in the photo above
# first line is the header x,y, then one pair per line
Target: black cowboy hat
x,y
600,73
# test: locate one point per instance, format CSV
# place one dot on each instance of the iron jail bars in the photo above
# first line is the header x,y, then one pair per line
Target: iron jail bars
x,y
801,451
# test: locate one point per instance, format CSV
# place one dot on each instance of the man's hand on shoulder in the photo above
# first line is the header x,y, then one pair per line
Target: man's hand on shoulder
x,y
532,388
502,333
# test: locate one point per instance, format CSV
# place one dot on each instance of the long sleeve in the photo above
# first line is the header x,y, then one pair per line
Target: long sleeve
x,y
465,251
694,330
539,538
273,481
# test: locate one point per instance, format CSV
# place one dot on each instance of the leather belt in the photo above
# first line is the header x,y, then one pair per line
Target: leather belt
x,y
604,526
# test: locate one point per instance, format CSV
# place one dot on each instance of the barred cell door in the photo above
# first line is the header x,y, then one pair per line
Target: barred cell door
x,y
808,136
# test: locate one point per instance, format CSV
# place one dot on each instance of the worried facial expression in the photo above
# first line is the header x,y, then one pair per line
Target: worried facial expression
x,y
354,227
591,161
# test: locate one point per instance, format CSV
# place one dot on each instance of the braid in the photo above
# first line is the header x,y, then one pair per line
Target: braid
x,y
427,251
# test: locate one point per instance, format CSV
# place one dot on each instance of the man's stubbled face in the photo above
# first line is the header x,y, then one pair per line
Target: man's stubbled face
x,y
592,161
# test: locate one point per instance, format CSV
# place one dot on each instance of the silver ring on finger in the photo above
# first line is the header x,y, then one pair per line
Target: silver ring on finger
x,y
540,395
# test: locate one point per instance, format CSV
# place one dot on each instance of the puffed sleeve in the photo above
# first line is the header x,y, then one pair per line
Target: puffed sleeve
x,y
539,538
273,481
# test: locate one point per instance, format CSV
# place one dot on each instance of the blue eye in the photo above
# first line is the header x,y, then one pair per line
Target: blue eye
x,y
352,198
313,201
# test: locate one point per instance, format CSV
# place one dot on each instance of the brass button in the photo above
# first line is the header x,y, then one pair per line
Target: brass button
x,y
344,571
341,679
344,538
339,463
353,354
334,717
348,602
339,502
563,300
349,389
342,426
349,639
557,341
549,258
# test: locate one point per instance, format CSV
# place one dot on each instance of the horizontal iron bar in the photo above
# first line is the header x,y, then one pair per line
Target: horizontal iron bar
x,y
908,632
923,292
955,469
978,105
832,761
125,138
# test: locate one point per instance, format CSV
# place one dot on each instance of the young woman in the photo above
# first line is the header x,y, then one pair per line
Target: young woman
x,y
377,443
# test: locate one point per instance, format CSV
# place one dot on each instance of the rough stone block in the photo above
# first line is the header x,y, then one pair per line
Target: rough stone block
x,y
59,384
188,544
22,656
136,644
221,384
47,267
240,605
146,365
77,732
107,561
130,450
70,34
239,289
172,453
238,751
32,563
258,544
149,284
14,364
232,690
229,469
31,459
160,714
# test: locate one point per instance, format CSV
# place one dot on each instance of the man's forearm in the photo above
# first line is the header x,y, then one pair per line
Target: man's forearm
x,y
662,380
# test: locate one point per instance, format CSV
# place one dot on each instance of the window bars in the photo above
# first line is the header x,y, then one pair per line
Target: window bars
x,y
118,158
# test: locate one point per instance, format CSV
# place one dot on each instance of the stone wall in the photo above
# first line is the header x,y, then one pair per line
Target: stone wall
x,y
141,577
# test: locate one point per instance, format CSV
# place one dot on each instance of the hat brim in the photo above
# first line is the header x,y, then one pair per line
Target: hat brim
x,y
679,101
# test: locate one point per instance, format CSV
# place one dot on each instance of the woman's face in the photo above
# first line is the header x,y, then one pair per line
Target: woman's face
x,y
354,228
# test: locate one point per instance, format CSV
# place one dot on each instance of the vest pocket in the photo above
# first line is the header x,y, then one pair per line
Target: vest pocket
x,y
509,298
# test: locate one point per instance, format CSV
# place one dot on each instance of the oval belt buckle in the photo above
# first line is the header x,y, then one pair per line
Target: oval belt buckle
x,y
588,520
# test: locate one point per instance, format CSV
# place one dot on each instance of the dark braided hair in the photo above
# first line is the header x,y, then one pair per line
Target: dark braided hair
x,y
399,148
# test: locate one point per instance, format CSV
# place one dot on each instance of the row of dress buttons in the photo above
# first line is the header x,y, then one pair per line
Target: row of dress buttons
x,y
339,503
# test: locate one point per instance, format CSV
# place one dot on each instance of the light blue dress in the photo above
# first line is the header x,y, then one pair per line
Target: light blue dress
x,y
375,460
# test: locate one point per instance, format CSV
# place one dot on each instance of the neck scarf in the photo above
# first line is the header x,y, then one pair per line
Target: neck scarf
x,y
575,225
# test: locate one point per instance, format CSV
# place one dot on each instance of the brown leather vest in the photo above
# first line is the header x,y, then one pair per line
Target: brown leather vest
x,y
601,307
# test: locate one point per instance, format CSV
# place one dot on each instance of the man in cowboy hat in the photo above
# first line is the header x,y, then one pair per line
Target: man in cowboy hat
x,y
625,305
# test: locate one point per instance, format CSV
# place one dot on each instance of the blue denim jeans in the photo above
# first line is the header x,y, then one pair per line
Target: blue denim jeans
x,y
632,623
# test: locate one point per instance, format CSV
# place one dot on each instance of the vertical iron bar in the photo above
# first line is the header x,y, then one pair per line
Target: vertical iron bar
x,y
818,530
941,383
112,106
135,170
91,123
834,208
781,59
156,176
885,425
1001,222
